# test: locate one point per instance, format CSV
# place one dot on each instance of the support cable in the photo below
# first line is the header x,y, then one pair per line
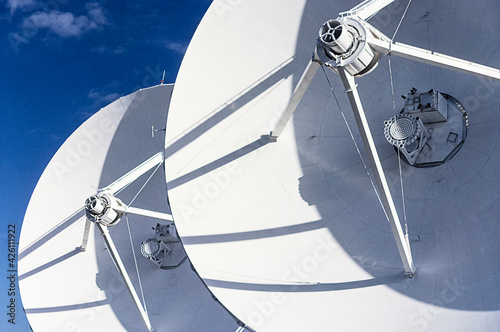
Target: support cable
x,y
400,21
399,152
144,185
394,110
132,242
355,144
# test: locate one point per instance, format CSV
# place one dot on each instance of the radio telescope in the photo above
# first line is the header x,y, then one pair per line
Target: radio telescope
x,y
111,168
277,213
287,149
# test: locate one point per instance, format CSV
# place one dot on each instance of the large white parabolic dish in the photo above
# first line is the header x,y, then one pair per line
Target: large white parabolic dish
x,y
65,289
289,236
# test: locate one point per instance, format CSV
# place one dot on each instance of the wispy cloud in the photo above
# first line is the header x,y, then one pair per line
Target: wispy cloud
x,y
98,99
109,50
85,114
176,47
15,5
96,13
101,98
65,24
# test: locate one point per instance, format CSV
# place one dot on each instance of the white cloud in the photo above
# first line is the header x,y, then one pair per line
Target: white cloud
x,y
176,47
101,99
65,24
62,24
95,13
14,5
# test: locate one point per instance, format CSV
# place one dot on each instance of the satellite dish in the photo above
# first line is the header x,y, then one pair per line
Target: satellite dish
x,y
109,172
290,235
287,233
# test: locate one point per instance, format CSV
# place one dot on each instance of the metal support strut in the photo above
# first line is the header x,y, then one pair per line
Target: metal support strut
x,y
123,273
297,95
378,172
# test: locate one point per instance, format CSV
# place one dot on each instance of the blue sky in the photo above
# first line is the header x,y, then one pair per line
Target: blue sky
x,y
63,60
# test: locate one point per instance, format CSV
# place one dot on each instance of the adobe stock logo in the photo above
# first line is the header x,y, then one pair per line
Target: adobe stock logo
x,y
75,155
224,6
95,306
201,197
425,316
296,276
480,93
218,181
